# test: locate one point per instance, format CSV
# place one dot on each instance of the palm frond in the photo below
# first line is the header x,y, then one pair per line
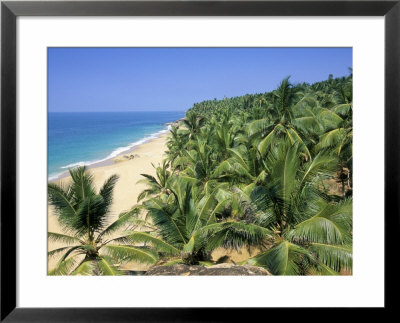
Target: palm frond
x,y
91,215
59,237
55,252
331,225
168,226
283,259
157,243
85,268
284,171
336,257
106,266
123,219
266,142
61,198
82,183
64,267
107,190
259,127
234,235
322,164
342,109
330,138
150,179
131,253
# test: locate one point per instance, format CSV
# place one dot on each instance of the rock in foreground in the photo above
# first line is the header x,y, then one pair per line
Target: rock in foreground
x,y
216,270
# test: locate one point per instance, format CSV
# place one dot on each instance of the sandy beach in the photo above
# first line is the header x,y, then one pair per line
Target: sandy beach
x,y
237,176
126,190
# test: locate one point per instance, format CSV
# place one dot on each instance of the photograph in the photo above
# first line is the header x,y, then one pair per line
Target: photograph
x,y
199,161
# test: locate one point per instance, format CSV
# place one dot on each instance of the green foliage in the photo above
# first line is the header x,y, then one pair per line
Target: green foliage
x,y
253,171
90,248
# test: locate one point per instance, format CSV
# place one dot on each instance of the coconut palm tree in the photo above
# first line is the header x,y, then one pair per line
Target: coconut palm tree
x,y
176,142
187,228
252,170
266,131
156,185
339,139
245,166
193,122
285,96
198,163
91,244
312,232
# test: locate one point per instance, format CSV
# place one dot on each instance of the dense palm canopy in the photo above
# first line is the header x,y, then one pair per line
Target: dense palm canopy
x,y
259,170
270,170
186,227
312,231
90,246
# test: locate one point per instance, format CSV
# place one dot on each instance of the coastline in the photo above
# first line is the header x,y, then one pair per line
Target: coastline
x,y
113,159
126,190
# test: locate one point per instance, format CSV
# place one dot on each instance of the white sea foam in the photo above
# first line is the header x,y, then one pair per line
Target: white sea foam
x,y
114,153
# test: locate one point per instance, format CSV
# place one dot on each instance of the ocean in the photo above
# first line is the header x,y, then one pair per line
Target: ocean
x,y
87,138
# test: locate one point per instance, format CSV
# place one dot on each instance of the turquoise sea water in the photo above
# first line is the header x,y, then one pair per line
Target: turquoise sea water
x,y
87,138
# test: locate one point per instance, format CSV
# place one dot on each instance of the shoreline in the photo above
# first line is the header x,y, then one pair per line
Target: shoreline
x,y
107,161
126,192
126,189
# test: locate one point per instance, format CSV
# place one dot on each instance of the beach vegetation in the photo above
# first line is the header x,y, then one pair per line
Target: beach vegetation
x,y
270,172
261,170
186,221
90,244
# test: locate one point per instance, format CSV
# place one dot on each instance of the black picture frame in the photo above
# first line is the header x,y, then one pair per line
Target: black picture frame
x,y
10,10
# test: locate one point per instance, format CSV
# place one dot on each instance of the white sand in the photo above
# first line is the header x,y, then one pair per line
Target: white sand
x,y
126,190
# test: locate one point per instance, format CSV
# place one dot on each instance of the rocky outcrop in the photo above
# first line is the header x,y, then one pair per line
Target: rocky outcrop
x,y
216,270
174,123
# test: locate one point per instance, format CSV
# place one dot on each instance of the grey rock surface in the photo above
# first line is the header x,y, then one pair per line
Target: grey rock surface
x,y
216,270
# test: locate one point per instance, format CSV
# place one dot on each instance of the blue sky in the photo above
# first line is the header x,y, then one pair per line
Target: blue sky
x,y
143,79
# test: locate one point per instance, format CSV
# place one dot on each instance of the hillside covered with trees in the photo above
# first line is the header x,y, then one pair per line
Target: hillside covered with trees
x,y
271,171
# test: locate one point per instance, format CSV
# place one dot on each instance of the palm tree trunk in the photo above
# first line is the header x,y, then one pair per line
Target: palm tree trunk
x,y
343,190
348,178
